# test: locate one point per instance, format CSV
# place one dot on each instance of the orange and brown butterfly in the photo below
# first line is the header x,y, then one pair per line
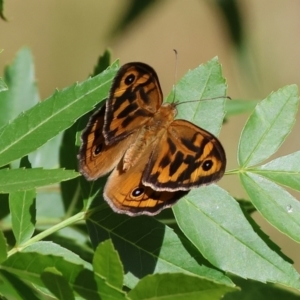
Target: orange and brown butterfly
x,y
155,160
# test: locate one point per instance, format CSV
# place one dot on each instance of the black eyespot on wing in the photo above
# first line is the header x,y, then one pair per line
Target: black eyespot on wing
x,y
98,149
207,165
129,79
137,192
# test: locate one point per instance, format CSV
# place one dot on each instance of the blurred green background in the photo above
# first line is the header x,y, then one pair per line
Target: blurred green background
x,y
259,56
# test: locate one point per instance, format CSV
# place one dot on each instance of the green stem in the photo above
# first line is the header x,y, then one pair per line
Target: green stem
x,y
73,202
76,218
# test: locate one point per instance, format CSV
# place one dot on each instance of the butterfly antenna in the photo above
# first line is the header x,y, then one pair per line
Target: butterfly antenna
x,y
175,75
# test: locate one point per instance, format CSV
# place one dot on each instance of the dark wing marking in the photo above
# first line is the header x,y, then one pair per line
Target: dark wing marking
x,y
198,159
134,98
125,192
95,157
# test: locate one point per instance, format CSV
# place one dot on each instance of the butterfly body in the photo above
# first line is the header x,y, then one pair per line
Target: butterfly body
x,y
150,133
154,159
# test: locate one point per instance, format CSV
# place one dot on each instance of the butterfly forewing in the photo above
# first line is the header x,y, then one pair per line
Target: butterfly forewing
x,y
95,157
186,157
134,98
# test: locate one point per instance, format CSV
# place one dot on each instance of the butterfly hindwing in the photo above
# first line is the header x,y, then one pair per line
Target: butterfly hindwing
x,y
125,192
187,156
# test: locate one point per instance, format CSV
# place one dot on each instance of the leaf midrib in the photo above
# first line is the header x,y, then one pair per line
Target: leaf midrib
x,y
266,132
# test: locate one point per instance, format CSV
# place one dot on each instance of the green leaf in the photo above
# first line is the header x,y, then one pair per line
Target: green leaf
x,y
76,271
49,248
213,221
25,179
80,279
22,92
86,286
202,83
13,288
21,265
3,248
3,86
91,191
277,206
75,239
284,170
23,212
238,107
49,205
268,126
47,156
156,246
57,285
177,287
45,120
44,255
107,264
